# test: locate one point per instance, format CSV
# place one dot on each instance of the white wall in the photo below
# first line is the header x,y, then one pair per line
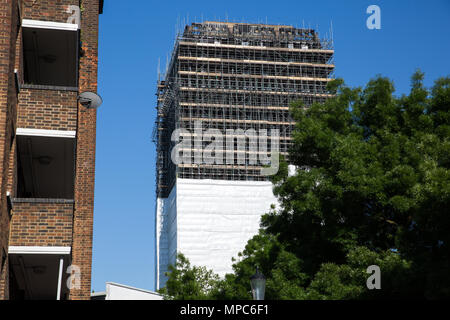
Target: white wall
x,y
115,291
210,221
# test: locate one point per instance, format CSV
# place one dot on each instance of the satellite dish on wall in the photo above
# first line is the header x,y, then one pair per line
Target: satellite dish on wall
x,y
90,100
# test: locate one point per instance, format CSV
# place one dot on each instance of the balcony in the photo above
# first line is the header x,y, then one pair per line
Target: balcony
x,y
38,273
50,52
46,164
39,248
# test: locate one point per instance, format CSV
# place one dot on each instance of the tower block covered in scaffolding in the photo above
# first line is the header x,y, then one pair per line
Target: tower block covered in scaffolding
x,y
235,78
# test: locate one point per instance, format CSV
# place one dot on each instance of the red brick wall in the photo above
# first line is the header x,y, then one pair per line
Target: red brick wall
x,y
47,109
41,224
8,107
54,110
47,10
85,153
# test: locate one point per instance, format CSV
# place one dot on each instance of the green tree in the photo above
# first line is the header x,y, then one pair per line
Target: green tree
x,y
372,186
186,282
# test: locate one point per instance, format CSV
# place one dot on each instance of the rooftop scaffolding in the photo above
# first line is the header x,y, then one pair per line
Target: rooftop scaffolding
x,y
236,76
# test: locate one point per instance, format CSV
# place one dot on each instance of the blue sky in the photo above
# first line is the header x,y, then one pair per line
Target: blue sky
x,y
135,34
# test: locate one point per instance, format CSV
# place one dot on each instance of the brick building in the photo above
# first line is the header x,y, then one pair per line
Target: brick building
x,y
48,57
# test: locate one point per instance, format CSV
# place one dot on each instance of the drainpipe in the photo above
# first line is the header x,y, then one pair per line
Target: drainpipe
x,y
61,263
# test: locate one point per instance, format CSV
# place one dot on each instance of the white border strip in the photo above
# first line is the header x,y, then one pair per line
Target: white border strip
x,y
45,133
38,250
27,23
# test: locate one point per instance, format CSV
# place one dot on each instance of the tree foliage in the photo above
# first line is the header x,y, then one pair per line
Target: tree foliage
x,y
372,186
188,282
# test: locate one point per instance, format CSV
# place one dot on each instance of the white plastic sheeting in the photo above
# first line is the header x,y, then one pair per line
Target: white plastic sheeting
x,y
209,221
292,170
166,236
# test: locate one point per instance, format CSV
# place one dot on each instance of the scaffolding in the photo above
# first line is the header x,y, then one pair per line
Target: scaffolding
x,y
233,76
